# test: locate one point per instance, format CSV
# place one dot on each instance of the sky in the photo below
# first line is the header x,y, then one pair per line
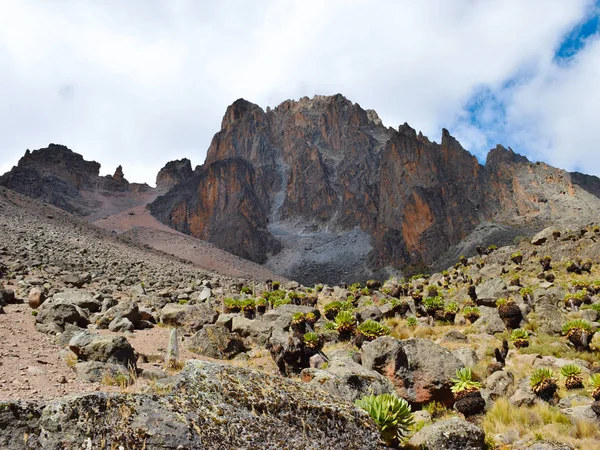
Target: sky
x,y
138,83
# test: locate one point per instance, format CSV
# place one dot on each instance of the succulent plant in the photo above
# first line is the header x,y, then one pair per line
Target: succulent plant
x,y
572,375
543,383
312,340
464,381
594,382
517,257
433,304
471,313
346,323
392,415
579,332
310,318
520,337
371,329
330,326
232,305
467,395
526,293
298,318
412,322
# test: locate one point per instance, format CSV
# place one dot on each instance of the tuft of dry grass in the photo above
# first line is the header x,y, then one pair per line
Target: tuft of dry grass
x,y
540,419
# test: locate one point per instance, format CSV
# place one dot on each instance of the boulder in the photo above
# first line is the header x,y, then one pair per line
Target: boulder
x,y
467,356
370,312
489,321
7,296
419,369
541,237
121,325
500,384
254,331
36,298
77,279
79,298
105,349
216,341
192,318
123,310
348,379
203,403
96,372
449,434
281,317
490,291
53,316
549,316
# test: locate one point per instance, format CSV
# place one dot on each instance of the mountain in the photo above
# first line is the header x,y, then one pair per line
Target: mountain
x,y
319,190
60,177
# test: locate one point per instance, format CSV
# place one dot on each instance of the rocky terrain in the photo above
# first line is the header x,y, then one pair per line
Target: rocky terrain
x,y
107,343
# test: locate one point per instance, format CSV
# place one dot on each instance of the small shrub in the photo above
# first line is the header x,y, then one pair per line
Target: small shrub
x,y
412,322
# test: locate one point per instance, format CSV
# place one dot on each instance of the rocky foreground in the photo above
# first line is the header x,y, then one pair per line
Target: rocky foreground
x,y
142,350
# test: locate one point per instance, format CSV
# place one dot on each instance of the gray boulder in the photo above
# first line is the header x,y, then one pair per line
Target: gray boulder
x,y
500,384
542,236
281,317
467,356
192,318
53,316
121,325
420,369
96,372
489,321
105,349
450,434
348,379
490,291
254,331
81,299
216,341
123,310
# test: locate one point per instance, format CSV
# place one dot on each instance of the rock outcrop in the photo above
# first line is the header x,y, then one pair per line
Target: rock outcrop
x,y
208,406
61,177
173,173
320,189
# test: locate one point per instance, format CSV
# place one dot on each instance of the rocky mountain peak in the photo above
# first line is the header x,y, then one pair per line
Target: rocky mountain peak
x,y
503,156
173,173
118,175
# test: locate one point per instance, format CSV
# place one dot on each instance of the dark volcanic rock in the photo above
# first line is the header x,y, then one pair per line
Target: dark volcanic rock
x,y
61,177
210,406
173,173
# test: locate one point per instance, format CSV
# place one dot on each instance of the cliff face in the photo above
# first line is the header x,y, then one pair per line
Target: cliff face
x,y
319,189
173,173
61,177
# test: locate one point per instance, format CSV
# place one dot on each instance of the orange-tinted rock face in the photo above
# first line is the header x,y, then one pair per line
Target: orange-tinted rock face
x,y
328,164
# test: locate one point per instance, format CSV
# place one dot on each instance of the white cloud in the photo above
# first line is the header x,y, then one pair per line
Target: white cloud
x,y
139,83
